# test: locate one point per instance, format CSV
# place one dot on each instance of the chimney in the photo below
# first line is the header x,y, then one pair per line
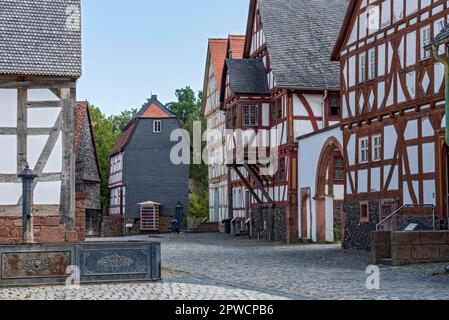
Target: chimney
x,y
154,96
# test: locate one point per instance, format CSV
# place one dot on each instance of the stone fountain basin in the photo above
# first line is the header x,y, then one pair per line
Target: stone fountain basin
x,y
86,262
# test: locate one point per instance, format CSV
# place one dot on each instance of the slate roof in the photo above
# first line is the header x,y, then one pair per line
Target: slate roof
x,y
300,35
81,112
247,76
37,37
152,109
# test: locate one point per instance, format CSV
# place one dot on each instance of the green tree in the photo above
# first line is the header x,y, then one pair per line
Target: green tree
x,y
105,137
188,109
119,121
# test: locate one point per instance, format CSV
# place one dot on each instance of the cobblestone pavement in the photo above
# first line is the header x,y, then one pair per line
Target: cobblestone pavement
x,y
216,266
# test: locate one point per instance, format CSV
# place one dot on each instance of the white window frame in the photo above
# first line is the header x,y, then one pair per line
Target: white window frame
x,y
157,126
377,147
362,67
425,40
372,64
250,112
364,150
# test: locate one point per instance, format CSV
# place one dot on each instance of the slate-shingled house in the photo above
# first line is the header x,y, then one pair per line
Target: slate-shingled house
x,y
40,62
287,85
87,168
141,168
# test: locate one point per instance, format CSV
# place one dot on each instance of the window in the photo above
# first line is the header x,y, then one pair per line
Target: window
x,y
372,64
250,116
363,150
362,71
334,106
364,214
425,41
377,147
339,168
157,126
282,170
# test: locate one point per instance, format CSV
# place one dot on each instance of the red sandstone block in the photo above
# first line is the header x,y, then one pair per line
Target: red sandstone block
x,y
9,222
51,235
4,232
52,221
16,232
39,221
403,238
18,223
434,237
2,222
426,252
403,252
381,236
71,236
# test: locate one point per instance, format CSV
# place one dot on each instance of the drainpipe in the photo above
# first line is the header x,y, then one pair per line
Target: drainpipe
x,y
326,94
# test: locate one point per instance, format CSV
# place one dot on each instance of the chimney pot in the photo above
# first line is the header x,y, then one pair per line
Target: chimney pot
x,y
154,96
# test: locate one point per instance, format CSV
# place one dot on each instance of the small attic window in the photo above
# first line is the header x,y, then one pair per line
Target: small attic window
x,y
157,126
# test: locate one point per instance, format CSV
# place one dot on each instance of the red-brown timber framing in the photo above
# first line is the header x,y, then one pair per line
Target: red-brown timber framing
x,y
281,190
405,101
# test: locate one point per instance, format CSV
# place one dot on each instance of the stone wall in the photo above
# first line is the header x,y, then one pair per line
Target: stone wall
x,y
356,234
47,227
338,224
413,247
113,226
269,224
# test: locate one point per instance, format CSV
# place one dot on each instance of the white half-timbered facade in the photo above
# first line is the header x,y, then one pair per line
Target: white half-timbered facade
x,y
37,104
284,87
393,107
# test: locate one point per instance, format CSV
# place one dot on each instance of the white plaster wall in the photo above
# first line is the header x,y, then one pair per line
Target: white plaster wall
x,y
8,108
10,193
309,151
8,159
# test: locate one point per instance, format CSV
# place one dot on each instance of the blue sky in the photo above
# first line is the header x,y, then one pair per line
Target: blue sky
x,y
132,48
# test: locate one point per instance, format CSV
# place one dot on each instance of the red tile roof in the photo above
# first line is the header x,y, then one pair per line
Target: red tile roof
x,y
237,46
218,50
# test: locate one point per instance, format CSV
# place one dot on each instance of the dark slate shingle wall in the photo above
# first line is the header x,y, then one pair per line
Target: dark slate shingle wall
x,y
149,174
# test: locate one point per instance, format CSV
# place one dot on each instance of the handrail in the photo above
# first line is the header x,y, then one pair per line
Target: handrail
x,y
408,206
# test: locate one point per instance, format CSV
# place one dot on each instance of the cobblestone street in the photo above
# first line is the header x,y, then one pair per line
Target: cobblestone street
x,y
215,266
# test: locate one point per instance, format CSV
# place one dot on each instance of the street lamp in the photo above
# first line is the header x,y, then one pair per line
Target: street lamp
x,y
27,177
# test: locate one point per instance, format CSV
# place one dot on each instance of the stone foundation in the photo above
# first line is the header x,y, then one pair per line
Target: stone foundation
x,y
415,247
269,224
357,234
47,227
113,226
338,224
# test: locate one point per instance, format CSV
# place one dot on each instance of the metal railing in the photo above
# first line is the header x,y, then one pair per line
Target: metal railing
x,y
408,206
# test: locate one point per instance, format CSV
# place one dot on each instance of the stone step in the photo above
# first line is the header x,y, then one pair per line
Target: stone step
x,y
386,262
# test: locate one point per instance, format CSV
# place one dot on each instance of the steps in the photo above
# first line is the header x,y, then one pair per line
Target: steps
x,y
206,227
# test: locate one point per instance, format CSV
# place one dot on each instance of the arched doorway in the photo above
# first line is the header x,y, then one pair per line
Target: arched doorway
x,y
329,190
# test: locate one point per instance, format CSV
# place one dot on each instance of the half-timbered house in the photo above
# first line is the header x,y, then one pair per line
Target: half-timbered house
x,y
284,87
40,62
393,107
87,175
218,51
142,170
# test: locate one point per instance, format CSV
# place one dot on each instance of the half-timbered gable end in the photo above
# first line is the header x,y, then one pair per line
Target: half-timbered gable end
x,y
141,169
393,101
218,51
40,61
302,96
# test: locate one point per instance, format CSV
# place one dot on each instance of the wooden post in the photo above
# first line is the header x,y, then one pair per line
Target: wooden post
x,y
67,210
22,123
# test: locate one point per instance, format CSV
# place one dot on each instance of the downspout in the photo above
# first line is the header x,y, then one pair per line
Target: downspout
x,y
445,62
326,94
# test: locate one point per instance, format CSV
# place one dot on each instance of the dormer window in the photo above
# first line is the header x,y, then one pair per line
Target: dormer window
x,y
157,126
